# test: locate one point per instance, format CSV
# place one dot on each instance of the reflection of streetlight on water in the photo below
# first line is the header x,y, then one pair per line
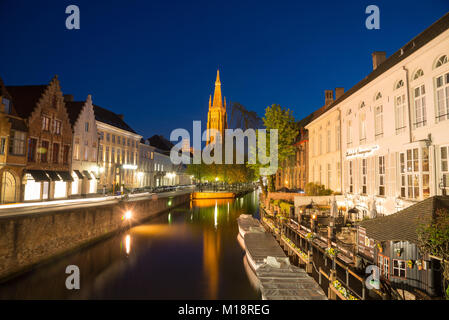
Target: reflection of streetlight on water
x,y
128,244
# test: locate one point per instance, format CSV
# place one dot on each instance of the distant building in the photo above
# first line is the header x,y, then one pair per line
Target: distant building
x,y
165,173
48,145
217,118
85,169
118,151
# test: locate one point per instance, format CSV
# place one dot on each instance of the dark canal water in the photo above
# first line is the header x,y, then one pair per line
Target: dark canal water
x,y
190,252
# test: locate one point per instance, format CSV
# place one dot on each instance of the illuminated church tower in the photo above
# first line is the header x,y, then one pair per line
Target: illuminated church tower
x,y
217,117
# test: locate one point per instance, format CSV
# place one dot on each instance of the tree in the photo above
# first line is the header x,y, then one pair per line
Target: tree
x,y
281,119
434,239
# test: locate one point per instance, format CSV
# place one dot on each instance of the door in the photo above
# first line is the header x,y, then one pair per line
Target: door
x,y
8,188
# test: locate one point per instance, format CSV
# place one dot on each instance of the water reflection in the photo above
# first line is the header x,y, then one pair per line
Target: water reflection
x,y
190,252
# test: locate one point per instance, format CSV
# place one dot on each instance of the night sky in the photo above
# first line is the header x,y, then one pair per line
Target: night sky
x,y
156,61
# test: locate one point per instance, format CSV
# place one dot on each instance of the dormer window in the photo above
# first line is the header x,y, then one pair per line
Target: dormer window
x,y
399,84
442,60
418,73
378,96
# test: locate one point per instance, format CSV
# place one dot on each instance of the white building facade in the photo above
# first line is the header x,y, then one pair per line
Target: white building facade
x,y
395,127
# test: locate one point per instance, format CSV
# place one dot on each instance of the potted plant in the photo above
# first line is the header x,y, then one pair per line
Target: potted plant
x,y
379,247
419,264
398,251
410,264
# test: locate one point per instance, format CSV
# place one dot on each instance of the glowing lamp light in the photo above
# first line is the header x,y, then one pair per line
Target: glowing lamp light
x,y
128,215
129,166
314,216
216,178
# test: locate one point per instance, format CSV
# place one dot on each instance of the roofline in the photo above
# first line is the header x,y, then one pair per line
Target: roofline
x,y
384,67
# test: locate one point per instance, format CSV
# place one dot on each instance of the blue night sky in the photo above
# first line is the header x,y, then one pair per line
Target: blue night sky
x,y
156,61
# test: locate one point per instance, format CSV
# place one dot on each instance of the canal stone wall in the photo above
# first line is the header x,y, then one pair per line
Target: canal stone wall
x,y
31,239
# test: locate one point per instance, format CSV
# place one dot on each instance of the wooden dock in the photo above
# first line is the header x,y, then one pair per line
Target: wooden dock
x,y
279,280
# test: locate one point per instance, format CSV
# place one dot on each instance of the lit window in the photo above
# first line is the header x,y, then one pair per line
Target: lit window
x,y
442,95
399,268
381,175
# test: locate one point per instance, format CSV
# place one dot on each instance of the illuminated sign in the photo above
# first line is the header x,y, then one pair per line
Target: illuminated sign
x,y
129,166
361,152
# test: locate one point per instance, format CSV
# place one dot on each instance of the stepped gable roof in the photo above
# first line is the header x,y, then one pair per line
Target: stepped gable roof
x,y
403,225
74,109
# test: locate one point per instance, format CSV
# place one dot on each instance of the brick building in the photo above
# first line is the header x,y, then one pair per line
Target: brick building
x,y
48,143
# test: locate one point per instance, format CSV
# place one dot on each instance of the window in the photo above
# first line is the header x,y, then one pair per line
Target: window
x,y
399,84
400,111
108,137
442,60
328,143
364,176
384,265
66,154
113,155
7,105
425,172
418,73
442,95
420,106
321,145
119,154
86,151
381,175
55,152
107,154
362,128
45,123
86,126
399,268
338,170
351,180
409,164
44,151
101,135
100,153
57,125
337,137
2,145
32,146
123,156
113,138
17,143
329,175
378,121
444,162
349,133
118,139
378,96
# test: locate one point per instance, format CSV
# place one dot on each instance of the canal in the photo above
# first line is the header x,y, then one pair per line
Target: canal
x,y
191,252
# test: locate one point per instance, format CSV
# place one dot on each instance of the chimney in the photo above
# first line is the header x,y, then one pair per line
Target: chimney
x,y
378,58
339,92
68,97
121,116
328,97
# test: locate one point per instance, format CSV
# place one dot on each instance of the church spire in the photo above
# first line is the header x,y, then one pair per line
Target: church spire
x,y
217,93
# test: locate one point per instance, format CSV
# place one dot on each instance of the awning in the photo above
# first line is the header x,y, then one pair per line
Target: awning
x,y
87,175
53,175
65,175
38,175
95,175
80,176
